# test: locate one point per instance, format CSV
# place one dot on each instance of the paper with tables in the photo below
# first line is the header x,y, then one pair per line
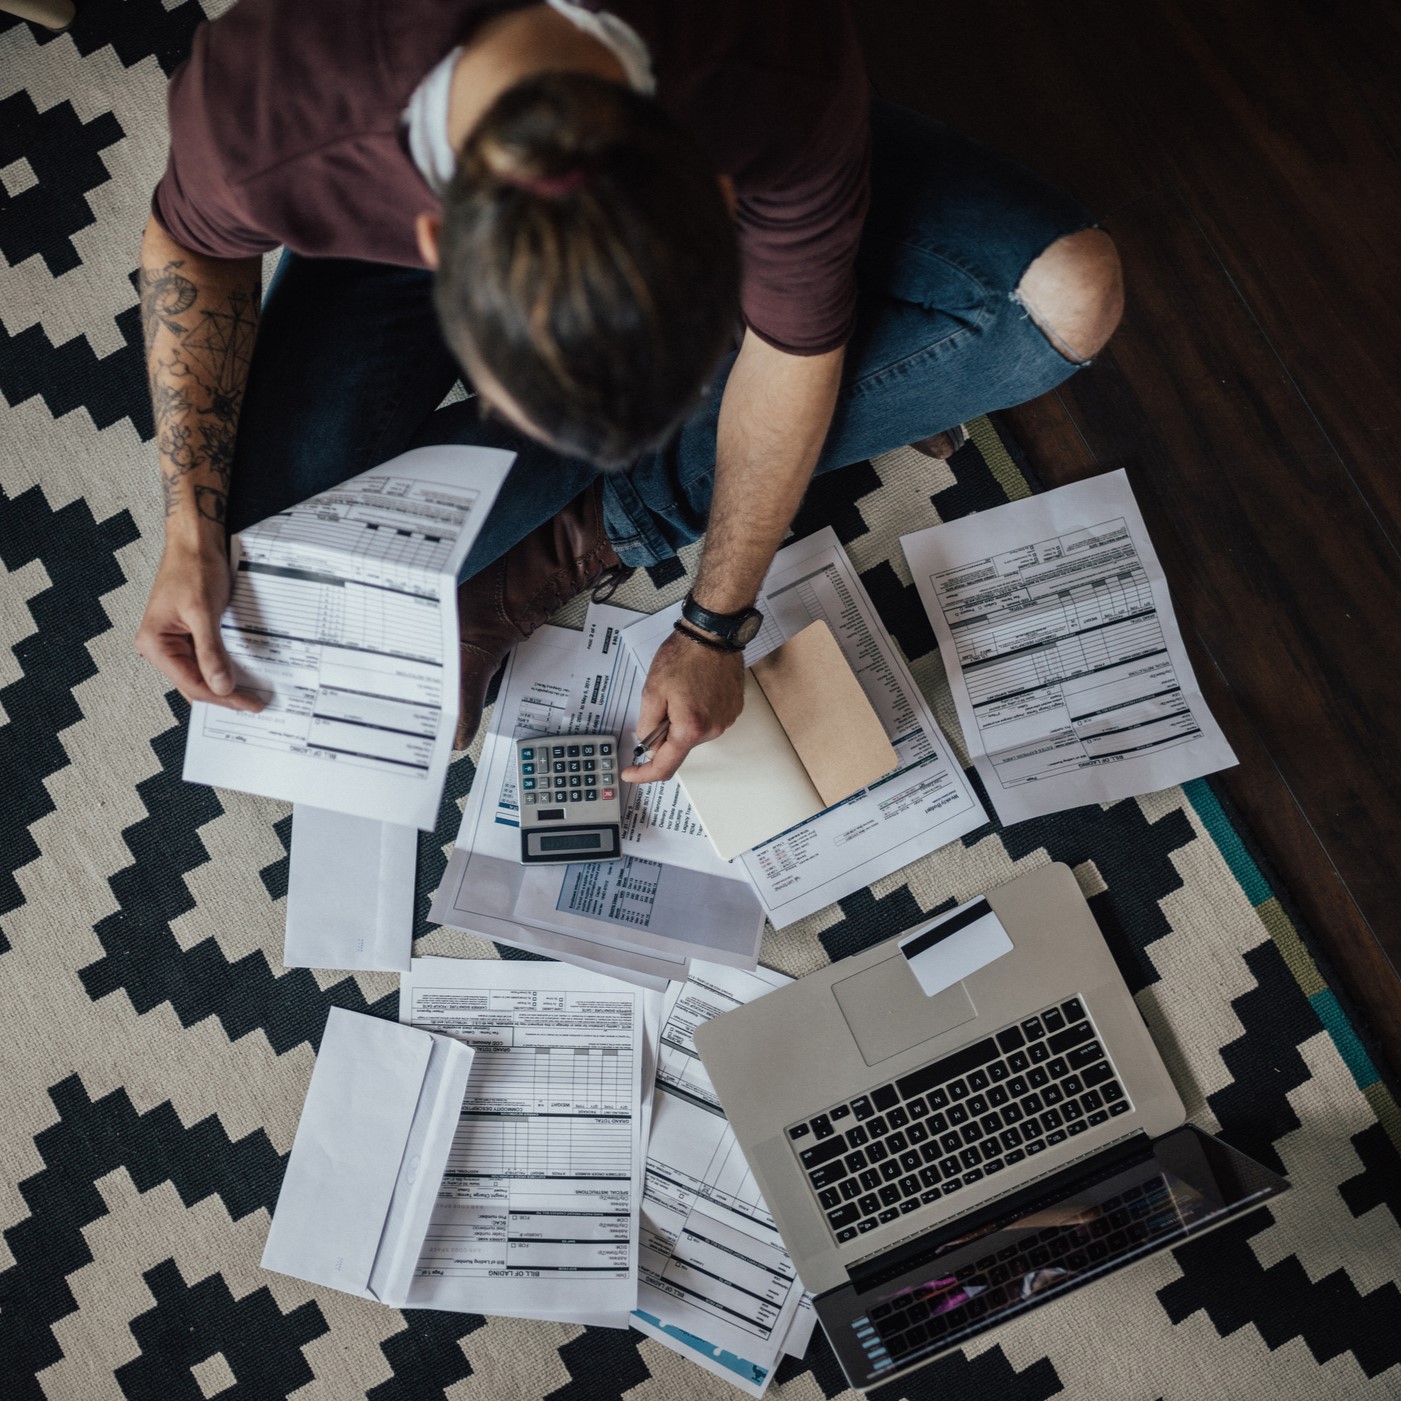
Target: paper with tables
x,y
921,805
659,822
350,892
716,1282
642,917
537,1212
1067,666
343,618
379,1120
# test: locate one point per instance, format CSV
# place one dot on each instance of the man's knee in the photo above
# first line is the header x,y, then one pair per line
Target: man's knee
x,y
1074,291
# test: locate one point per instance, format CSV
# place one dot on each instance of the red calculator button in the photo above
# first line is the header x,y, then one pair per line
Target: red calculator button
x,y
607,794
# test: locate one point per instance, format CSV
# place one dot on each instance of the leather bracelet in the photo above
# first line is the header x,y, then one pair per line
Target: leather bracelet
x,y
679,626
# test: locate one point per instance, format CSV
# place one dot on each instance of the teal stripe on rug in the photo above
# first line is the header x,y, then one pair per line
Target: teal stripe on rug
x,y
1353,1052
1257,891
1228,842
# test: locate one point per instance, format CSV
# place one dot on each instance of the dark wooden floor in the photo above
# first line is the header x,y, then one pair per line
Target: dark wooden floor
x,y
1246,156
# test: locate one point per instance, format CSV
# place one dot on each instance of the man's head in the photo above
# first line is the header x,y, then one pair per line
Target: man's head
x,y
588,269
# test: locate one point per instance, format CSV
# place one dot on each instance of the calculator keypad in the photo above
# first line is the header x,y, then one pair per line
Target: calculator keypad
x,y
570,773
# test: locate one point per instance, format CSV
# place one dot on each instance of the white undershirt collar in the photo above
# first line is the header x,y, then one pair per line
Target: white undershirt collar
x,y
426,116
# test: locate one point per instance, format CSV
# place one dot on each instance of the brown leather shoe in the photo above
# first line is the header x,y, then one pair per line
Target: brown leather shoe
x,y
508,600
943,445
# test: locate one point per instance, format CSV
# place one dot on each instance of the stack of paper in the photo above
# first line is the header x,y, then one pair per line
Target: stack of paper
x,y
641,918
535,1141
920,805
717,1284
501,1179
672,897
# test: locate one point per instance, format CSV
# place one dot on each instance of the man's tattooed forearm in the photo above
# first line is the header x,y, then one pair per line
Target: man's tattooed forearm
x,y
197,382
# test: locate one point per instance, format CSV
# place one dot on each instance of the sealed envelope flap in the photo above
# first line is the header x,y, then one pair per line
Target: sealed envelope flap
x,y
346,1155
825,713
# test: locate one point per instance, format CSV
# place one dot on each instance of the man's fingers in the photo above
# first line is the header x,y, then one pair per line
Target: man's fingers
x,y
665,761
213,660
651,714
175,659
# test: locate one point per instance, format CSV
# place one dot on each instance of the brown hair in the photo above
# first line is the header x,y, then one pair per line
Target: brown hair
x,y
588,260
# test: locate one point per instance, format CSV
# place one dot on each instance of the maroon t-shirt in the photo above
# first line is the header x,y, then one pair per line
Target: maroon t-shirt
x,y
286,128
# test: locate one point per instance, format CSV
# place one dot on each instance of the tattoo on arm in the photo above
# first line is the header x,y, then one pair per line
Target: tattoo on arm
x,y
198,357
210,502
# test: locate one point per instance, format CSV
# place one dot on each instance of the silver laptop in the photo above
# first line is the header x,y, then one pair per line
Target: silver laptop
x,y
937,1165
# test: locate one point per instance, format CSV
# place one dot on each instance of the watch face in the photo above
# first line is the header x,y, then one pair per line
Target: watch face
x,y
748,628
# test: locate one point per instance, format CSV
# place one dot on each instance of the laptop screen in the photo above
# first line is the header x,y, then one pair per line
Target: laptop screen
x,y
924,1297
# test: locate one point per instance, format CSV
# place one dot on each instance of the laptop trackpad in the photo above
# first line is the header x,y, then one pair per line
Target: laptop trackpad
x,y
888,1011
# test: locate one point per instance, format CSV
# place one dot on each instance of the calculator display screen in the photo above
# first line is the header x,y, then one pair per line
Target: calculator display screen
x,y
564,841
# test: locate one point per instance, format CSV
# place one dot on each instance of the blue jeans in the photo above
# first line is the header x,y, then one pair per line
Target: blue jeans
x,y
350,367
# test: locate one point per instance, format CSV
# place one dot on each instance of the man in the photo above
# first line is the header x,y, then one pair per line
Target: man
x,y
604,193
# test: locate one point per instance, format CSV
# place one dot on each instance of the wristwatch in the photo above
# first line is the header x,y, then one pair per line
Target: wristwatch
x,y
735,630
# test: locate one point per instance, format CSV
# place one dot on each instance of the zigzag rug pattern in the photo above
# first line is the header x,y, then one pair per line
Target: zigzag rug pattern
x,y
156,1053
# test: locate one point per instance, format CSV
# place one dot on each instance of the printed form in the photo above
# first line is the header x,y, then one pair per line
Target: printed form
x,y
537,1215
343,618
1067,666
641,917
921,805
717,1284
658,820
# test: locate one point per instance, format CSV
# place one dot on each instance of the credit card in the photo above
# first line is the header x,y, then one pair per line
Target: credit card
x,y
955,945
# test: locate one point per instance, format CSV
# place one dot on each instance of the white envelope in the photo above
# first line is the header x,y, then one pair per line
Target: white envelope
x,y
349,892
368,1156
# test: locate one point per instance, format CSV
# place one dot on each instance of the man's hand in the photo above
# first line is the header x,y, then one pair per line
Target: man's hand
x,y
180,633
699,691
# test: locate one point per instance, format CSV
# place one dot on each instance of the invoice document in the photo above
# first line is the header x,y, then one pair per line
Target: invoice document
x,y
640,917
343,619
1063,652
713,1267
659,822
537,1214
922,804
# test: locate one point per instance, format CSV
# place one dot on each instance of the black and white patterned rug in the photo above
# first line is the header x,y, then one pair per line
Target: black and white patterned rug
x,y
154,1053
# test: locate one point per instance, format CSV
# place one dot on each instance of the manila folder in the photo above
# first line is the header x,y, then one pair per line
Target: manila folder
x,y
748,785
825,714
806,738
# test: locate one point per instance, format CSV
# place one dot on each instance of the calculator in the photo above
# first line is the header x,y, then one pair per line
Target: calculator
x,y
571,808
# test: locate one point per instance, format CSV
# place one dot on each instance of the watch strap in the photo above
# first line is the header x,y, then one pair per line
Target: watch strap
x,y
723,625
715,646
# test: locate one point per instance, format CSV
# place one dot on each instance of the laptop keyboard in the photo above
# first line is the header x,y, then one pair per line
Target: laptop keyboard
x,y
934,1314
957,1120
